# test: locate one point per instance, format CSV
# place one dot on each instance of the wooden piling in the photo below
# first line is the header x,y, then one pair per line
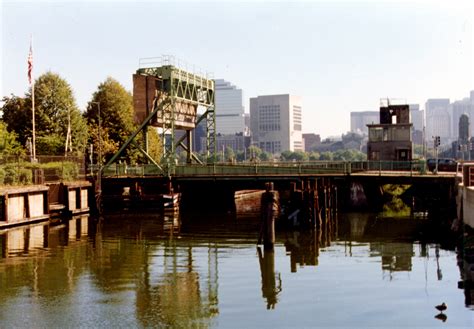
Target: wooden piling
x,y
269,207
317,210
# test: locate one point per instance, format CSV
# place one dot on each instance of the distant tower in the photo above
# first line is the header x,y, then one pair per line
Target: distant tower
x,y
463,129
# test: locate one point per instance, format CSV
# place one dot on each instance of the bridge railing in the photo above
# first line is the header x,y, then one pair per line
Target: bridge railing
x,y
270,168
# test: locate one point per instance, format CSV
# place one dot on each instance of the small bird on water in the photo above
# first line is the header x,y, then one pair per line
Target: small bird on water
x,y
441,307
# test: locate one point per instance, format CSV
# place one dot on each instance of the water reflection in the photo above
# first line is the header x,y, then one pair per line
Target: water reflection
x,y
303,248
271,281
395,256
466,267
151,270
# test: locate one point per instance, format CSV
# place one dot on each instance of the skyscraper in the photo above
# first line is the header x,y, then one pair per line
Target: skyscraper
x,y
418,121
229,108
438,119
459,108
360,120
464,133
276,123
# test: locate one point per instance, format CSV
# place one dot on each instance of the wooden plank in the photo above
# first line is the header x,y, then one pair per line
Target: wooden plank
x,y
24,189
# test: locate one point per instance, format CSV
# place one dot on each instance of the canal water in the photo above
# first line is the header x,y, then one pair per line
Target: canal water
x,y
205,271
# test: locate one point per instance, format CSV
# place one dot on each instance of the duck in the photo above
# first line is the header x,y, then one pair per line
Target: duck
x,y
441,307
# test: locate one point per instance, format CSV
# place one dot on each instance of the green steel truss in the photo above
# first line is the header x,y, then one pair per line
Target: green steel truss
x,y
177,98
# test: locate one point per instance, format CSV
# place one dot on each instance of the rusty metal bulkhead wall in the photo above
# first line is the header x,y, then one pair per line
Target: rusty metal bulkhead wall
x,y
144,91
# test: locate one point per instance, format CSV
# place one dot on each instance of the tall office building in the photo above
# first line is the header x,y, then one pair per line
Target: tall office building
x,y
459,108
275,123
438,119
360,120
310,141
417,116
418,121
229,109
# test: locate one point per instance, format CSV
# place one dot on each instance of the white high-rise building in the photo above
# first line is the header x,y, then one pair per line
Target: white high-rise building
x,y
229,109
360,120
276,123
438,119
416,117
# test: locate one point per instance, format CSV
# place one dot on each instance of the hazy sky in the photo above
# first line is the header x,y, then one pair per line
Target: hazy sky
x,y
339,56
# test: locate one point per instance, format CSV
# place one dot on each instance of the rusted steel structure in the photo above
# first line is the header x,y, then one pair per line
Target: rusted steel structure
x,y
168,97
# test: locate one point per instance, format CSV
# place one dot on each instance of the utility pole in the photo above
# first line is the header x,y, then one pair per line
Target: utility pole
x,y
98,188
437,143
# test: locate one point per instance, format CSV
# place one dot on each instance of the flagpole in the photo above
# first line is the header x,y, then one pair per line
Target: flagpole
x,y
32,83
33,118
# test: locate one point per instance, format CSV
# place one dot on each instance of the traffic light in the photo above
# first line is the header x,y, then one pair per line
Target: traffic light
x,y
437,141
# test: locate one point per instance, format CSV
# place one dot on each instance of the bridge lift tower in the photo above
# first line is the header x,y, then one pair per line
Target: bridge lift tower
x,y
168,97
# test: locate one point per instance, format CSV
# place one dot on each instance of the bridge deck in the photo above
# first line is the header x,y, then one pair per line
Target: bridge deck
x,y
282,170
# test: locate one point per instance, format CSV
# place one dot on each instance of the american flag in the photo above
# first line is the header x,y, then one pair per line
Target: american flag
x,y
30,63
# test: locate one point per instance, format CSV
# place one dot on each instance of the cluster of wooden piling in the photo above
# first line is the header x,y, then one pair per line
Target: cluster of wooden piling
x,y
312,204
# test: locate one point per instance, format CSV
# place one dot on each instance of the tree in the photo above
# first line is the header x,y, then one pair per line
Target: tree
x,y
155,149
8,142
286,155
229,154
17,116
56,117
116,116
328,156
349,155
241,155
254,153
265,156
313,156
296,156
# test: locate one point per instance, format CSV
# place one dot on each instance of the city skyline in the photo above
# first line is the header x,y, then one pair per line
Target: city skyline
x,y
339,57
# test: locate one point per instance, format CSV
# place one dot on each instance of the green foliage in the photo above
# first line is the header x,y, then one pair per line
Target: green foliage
x,y
70,171
25,176
11,175
8,142
55,110
50,144
229,154
395,207
349,155
17,116
313,156
154,144
395,189
265,156
22,172
328,156
240,156
254,153
294,156
67,171
116,118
